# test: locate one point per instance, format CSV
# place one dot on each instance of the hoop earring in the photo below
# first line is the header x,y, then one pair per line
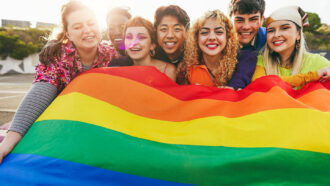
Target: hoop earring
x,y
152,52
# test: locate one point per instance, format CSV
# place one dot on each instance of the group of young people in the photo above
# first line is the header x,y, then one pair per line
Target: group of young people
x,y
218,51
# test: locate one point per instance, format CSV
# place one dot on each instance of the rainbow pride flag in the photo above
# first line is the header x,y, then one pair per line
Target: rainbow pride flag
x,y
134,126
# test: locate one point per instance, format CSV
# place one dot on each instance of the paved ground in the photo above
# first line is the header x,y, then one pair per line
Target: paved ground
x,y
12,90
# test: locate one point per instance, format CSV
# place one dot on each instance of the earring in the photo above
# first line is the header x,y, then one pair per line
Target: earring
x,y
152,52
297,44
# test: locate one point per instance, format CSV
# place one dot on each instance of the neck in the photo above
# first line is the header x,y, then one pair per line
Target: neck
x,y
212,62
87,56
285,57
146,61
175,56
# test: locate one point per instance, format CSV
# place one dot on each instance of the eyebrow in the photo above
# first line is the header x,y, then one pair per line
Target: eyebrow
x,y
205,28
142,34
220,27
177,24
76,24
280,26
254,17
217,28
239,17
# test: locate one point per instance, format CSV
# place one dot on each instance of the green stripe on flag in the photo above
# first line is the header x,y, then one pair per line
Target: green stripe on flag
x,y
203,165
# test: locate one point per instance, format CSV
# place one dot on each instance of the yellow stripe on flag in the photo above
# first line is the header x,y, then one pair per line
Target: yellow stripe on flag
x,y
292,128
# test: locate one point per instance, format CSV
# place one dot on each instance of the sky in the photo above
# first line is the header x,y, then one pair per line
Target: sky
x,y
49,10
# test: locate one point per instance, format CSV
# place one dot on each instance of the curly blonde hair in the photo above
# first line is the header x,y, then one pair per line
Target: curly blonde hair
x,y
193,54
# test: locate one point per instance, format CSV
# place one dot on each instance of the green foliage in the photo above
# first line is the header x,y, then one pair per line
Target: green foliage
x,y
22,50
314,22
317,40
7,43
19,44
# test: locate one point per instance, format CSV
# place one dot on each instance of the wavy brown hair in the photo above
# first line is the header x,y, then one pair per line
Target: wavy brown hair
x,y
53,46
193,54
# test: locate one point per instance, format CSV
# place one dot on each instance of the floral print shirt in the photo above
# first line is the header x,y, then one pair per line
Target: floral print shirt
x,y
61,72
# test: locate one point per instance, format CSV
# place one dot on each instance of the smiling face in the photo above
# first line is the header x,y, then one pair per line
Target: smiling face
x,y
247,26
116,25
212,37
282,37
83,29
138,43
171,36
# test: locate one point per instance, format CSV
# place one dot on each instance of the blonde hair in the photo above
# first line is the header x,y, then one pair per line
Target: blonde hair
x,y
272,60
193,54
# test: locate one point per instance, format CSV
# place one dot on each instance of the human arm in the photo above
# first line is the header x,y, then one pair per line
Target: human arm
x,y
297,80
8,144
33,105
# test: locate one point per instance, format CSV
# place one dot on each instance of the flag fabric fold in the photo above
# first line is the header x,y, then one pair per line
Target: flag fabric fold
x,y
135,126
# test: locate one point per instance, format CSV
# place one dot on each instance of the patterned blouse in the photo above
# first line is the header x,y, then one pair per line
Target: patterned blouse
x,y
63,71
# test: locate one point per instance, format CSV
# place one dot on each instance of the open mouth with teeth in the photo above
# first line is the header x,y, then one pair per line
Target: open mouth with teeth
x,y
170,44
245,34
135,49
278,43
89,38
212,46
118,40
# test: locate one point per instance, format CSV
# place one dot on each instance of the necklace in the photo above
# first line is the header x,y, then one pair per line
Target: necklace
x,y
210,72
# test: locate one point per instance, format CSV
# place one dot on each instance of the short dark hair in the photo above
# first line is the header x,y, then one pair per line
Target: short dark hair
x,y
246,7
172,10
118,11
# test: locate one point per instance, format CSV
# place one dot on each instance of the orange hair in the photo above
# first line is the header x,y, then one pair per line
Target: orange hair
x,y
140,21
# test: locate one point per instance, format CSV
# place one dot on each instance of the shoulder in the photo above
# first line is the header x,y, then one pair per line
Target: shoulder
x,y
106,50
313,62
315,57
197,70
260,61
247,56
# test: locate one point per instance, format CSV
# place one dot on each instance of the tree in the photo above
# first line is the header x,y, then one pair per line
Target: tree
x,y
7,43
314,22
19,44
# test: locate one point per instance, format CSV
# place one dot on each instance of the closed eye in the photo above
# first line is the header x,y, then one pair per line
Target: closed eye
x,y
270,30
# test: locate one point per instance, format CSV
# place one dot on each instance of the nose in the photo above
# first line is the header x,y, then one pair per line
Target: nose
x,y
117,30
170,33
212,36
132,42
246,25
277,33
87,28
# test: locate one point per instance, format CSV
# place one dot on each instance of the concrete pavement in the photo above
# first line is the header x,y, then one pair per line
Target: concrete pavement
x,y
13,88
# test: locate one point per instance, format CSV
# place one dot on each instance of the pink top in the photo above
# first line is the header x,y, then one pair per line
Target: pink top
x,y
63,71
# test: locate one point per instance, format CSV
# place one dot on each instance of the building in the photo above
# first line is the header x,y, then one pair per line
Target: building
x,y
15,23
43,25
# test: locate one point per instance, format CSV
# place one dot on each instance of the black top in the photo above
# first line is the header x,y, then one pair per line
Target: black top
x,y
161,55
121,61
